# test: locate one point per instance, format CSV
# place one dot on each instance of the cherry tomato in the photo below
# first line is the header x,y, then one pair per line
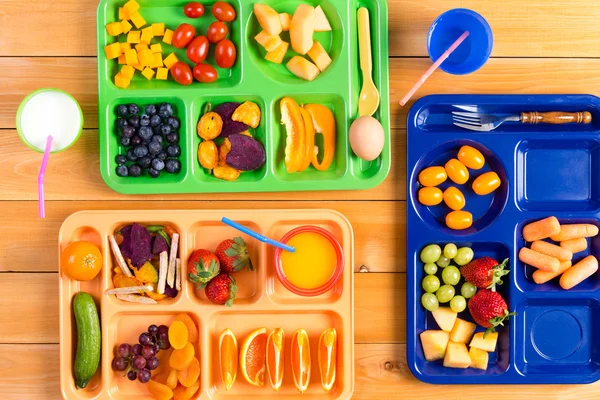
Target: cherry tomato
x,y
183,35
430,196
458,220
471,157
197,50
486,183
223,11
216,32
457,172
225,53
205,73
454,198
193,10
182,73
432,176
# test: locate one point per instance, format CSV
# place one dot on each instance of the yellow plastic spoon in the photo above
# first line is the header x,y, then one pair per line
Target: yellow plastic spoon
x,y
369,95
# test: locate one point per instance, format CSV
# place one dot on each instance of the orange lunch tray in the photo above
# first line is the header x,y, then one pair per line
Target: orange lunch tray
x,y
261,301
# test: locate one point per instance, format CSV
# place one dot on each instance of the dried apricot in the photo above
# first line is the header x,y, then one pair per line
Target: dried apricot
x,y
247,113
191,325
226,173
121,281
180,359
172,379
178,335
224,149
210,126
187,377
208,154
159,391
183,393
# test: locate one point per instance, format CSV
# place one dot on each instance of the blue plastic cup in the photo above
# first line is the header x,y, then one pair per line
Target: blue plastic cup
x,y
472,53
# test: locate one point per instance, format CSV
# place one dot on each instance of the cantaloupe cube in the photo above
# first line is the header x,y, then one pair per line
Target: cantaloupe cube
x,y
158,29
138,20
168,36
126,26
321,22
269,42
268,19
479,358
123,14
125,46
157,60
131,7
156,48
457,356
170,60
134,37
114,28
162,74
112,51
319,56
127,71
131,56
302,28
148,73
147,35
488,344
122,59
303,68
434,344
462,331
285,19
139,67
276,56
146,57
141,46
121,81
445,318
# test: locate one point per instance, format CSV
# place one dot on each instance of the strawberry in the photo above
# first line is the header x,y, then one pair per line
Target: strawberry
x,y
203,265
489,309
233,255
221,289
484,272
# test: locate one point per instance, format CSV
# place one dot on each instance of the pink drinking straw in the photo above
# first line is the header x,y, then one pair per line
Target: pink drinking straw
x,y
432,69
41,205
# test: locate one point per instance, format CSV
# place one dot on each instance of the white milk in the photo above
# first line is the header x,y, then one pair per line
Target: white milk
x,y
50,113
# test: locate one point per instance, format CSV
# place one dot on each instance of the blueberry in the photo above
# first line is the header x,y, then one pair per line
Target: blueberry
x,y
165,110
158,165
173,150
174,122
134,121
120,159
122,110
145,132
125,141
150,109
145,162
162,156
133,109
127,131
140,150
153,173
145,120
131,156
155,121
122,171
121,122
136,140
135,170
154,148
173,166
157,139
173,138
165,129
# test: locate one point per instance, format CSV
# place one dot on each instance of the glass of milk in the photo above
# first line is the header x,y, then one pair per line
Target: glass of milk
x,y
49,112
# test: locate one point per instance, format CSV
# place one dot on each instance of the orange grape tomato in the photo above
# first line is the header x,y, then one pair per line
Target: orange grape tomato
x,y
432,176
454,198
471,157
486,183
430,196
458,220
457,171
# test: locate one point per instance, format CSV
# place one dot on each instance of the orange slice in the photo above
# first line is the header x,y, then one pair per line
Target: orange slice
x,y
327,355
228,358
252,357
275,359
300,358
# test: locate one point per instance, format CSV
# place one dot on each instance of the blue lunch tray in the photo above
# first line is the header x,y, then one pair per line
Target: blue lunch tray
x,y
545,170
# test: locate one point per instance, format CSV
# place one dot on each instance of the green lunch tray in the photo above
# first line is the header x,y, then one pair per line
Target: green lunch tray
x,y
254,79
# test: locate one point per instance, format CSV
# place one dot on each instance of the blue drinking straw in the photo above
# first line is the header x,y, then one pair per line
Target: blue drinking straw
x,y
257,236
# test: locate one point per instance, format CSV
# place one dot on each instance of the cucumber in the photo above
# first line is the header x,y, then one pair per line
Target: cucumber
x,y
89,339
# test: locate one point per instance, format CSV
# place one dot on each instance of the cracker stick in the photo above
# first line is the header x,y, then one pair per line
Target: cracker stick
x,y
178,275
118,256
135,298
130,290
162,272
172,257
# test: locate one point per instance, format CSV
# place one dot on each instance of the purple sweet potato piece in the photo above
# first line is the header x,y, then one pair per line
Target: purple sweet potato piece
x,y
246,153
140,245
125,245
170,292
159,245
230,127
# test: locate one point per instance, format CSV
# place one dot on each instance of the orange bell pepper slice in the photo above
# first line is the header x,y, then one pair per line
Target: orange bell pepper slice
x,y
324,123
295,147
310,140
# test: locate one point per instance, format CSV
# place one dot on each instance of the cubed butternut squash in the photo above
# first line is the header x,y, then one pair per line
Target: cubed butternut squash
x,y
114,29
127,71
146,57
162,74
276,56
170,60
138,20
123,14
269,42
148,73
147,35
133,37
168,36
157,60
158,29
126,26
131,56
112,51
156,48
141,46
125,46
122,59
131,7
121,81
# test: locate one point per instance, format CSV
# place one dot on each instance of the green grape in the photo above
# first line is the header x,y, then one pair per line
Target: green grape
x,y
458,304
451,275
431,253
464,255
430,283
445,293
450,250
429,301
443,262
430,268
468,290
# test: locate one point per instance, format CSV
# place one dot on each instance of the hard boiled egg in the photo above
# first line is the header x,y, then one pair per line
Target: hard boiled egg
x,y
367,138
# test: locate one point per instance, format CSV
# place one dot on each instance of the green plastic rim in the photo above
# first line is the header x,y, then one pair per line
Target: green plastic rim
x,y
20,110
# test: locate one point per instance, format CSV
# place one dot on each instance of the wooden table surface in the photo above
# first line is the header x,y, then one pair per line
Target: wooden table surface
x,y
541,46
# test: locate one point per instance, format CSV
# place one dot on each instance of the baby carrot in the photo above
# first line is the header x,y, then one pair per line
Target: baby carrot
x,y
579,272
575,231
574,245
551,250
539,260
541,229
540,276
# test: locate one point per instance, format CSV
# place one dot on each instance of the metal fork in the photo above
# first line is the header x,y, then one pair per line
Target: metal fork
x,y
487,122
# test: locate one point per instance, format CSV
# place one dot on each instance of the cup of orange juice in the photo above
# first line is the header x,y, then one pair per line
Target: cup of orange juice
x,y
316,265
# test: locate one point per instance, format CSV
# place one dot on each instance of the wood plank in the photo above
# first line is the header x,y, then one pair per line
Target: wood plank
x,y
378,319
